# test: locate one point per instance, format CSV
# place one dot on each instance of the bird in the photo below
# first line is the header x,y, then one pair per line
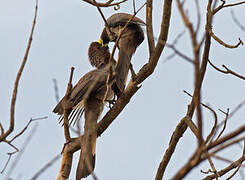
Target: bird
x,y
99,54
130,39
88,96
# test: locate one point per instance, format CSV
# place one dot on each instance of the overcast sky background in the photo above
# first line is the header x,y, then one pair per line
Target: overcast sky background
x,y
133,146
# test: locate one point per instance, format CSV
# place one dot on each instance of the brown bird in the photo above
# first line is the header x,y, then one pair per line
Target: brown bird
x,y
98,54
131,38
88,95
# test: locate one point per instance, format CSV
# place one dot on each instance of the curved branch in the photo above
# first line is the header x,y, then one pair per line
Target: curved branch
x,y
222,42
106,4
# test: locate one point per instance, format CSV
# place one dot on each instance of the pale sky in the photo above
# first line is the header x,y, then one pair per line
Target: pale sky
x,y
133,146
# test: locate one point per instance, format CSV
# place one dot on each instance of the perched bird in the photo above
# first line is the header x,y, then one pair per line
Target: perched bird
x,y
98,55
130,39
88,96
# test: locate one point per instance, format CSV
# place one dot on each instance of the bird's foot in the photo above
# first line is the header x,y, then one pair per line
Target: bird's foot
x,y
111,102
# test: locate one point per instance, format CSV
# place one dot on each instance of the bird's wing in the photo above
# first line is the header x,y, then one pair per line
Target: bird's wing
x,y
93,79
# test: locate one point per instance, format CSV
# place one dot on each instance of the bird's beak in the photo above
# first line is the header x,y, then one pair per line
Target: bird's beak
x,y
102,43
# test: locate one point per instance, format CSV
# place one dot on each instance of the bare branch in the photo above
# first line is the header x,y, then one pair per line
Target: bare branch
x,y
236,164
223,43
23,148
25,128
134,6
66,162
192,126
177,134
234,4
198,16
222,6
176,51
227,137
65,168
239,106
8,160
212,132
195,131
225,121
196,51
56,90
227,71
16,84
226,145
224,159
205,57
45,167
212,165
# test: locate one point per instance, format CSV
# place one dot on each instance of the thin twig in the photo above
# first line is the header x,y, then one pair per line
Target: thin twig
x,y
176,51
227,71
215,119
8,160
226,145
224,159
237,21
56,90
227,137
23,148
198,16
236,164
9,142
27,125
222,6
225,121
239,106
212,165
45,167
134,6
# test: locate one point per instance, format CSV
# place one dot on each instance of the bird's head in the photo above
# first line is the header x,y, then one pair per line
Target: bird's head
x,y
98,54
104,38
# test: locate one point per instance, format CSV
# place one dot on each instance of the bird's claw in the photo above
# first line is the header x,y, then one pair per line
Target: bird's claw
x,y
111,102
